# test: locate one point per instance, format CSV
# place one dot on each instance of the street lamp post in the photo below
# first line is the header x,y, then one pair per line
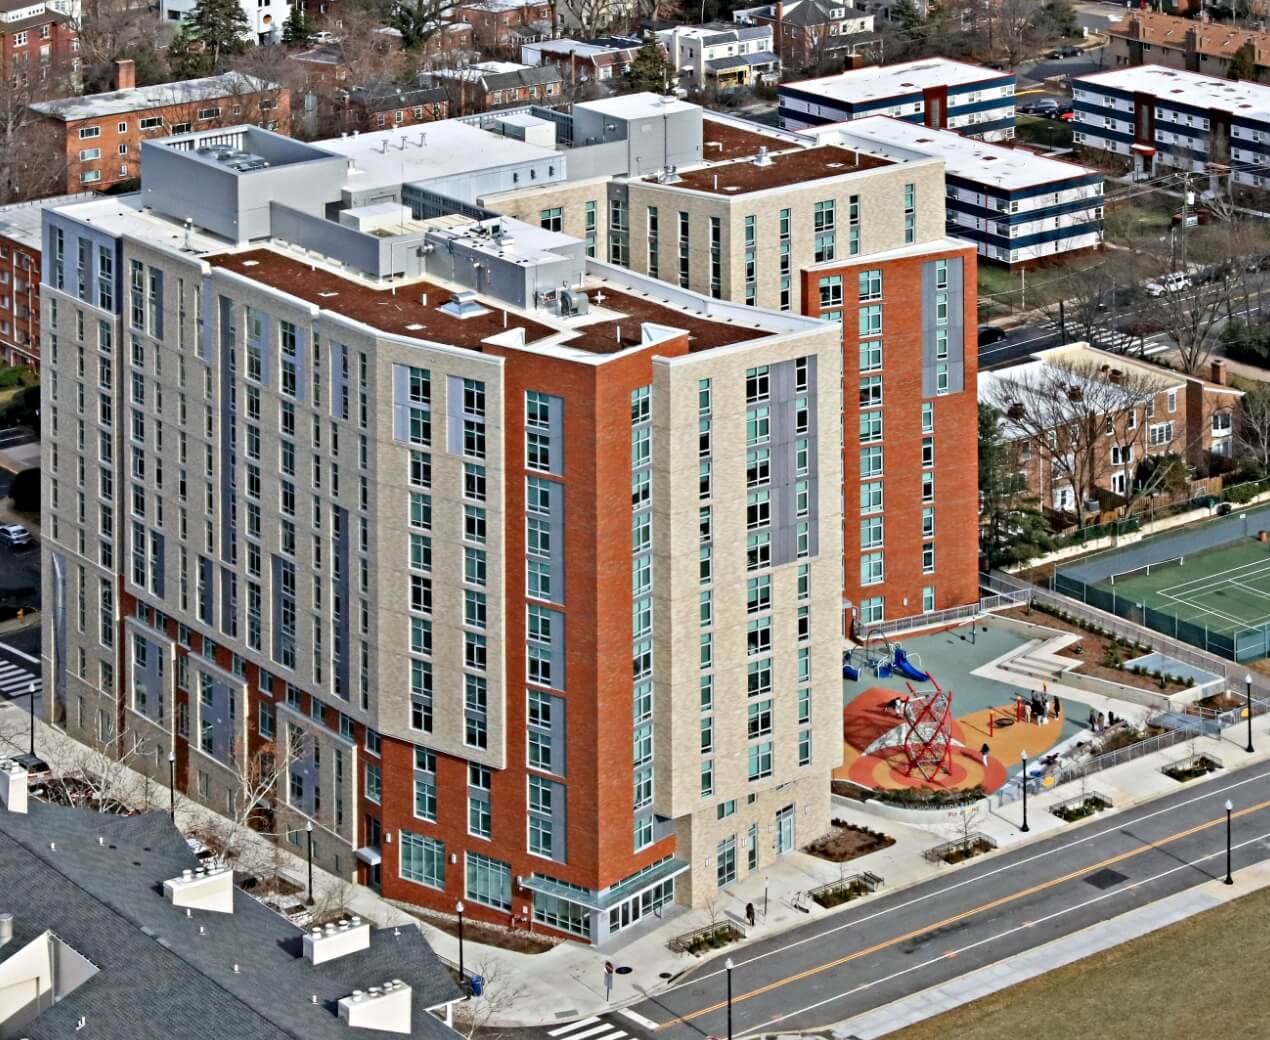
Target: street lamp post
x,y
1023,780
1229,879
728,965
172,785
1248,697
458,909
308,831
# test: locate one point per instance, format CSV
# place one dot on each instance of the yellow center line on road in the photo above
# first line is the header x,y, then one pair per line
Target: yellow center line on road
x,y
982,908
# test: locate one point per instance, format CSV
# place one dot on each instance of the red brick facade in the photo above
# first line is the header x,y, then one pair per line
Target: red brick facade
x,y
956,500
19,304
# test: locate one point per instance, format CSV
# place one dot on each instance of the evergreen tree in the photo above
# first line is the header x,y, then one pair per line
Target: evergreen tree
x,y
1012,528
221,27
650,70
186,57
296,30
1243,65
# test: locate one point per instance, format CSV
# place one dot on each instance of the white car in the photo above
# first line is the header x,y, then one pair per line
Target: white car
x,y
324,37
1170,283
14,534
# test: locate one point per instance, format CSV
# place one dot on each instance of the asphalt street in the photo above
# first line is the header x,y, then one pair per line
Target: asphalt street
x,y
889,947
1019,344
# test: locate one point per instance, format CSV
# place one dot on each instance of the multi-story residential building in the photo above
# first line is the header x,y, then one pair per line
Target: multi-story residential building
x,y
721,57
1157,118
808,32
380,105
350,451
103,133
584,61
1150,38
498,84
775,221
265,18
1112,414
1017,206
20,241
502,26
39,46
933,92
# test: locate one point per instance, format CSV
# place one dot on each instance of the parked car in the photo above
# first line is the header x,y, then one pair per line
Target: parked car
x,y
990,334
14,535
324,37
1173,282
1042,107
1067,117
1071,51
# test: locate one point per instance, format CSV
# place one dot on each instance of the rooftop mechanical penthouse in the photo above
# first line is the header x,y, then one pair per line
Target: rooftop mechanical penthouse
x,y
526,568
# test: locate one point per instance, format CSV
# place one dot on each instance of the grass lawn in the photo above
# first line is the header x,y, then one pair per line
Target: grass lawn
x,y
1000,291
1166,986
1042,132
1142,214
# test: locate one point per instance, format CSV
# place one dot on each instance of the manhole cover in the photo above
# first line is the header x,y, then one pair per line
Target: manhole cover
x,y
664,975
623,969
1105,879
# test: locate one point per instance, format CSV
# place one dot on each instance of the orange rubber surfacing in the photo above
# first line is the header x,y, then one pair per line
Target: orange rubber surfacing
x,y
866,718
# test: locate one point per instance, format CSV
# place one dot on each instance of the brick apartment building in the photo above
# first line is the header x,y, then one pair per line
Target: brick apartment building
x,y
1150,38
382,105
1112,413
773,223
38,46
502,26
20,278
491,85
103,133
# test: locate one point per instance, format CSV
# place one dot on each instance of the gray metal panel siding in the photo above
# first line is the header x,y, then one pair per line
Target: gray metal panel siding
x,y
783,399
228,500
400,402
275,567
955,326
228,601
342,651
156,288
158,557
218,718
150,677
59,631
207,591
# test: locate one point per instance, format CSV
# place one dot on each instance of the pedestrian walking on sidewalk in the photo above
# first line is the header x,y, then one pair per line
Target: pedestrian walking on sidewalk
x,y
749,913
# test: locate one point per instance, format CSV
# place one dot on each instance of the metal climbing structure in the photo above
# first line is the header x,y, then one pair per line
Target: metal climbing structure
x,y
926,732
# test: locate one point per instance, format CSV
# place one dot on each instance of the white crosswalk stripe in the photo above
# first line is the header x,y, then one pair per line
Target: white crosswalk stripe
x,y
15,679
565,1030
605,1028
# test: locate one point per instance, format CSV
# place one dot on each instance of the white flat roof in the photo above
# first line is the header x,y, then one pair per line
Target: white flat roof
x,y
877,83
158,95
1187,88
1007,168
637,106
22,222
125,215
449,148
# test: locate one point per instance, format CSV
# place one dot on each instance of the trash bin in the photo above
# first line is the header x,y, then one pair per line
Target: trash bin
x,y
476,984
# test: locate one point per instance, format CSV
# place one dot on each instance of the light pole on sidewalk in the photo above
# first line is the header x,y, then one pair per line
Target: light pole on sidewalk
x,y
1248,697
728,965
458,909
308,831
1229,879
172,785
1023,780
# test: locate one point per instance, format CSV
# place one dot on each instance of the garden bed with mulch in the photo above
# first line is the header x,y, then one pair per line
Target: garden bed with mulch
x,y
517,941
1200,765
846,841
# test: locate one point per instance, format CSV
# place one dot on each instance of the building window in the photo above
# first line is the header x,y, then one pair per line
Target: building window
x,y
551,219
422,860
759,761
489,881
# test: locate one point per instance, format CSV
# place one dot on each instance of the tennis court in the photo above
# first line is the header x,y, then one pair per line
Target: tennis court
x,y
1225,589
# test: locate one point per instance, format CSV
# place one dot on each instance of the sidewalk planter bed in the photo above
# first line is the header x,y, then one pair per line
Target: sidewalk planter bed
x,y
1078,808
930,798
960,850
846,841
846,889
703,940
1193,769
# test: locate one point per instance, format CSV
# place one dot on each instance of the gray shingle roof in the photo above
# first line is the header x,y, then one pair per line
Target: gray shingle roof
x,y
159,978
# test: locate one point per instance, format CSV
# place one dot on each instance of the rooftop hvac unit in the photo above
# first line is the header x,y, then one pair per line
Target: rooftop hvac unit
x,y
573,302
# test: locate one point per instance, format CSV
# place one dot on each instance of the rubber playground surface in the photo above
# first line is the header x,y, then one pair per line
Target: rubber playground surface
x,y
1225,589
949,659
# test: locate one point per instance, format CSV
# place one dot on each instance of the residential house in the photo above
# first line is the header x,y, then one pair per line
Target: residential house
x,y
579,61
39,47
381,105
498,84
811,32
721,57
502,26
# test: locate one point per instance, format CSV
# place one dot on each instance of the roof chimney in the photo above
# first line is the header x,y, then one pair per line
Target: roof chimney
x,y
385,1008
6,928
203,889
13,786
325,944
125,74
1217,372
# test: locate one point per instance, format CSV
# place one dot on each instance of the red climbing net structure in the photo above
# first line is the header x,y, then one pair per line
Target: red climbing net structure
x,y
927,739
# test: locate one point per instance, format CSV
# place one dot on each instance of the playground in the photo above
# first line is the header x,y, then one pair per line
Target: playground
x,y
914,716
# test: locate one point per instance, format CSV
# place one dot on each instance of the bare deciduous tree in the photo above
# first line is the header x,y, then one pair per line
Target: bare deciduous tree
x,y
1252,431
502,991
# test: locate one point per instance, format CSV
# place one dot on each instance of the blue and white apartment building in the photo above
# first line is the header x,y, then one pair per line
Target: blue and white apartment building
x,y
1158,118
933,92
1016,206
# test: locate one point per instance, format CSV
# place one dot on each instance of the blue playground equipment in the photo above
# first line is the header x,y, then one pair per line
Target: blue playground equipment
x,y
885,658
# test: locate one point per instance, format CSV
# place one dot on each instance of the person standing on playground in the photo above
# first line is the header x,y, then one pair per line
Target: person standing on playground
x,y
983,755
